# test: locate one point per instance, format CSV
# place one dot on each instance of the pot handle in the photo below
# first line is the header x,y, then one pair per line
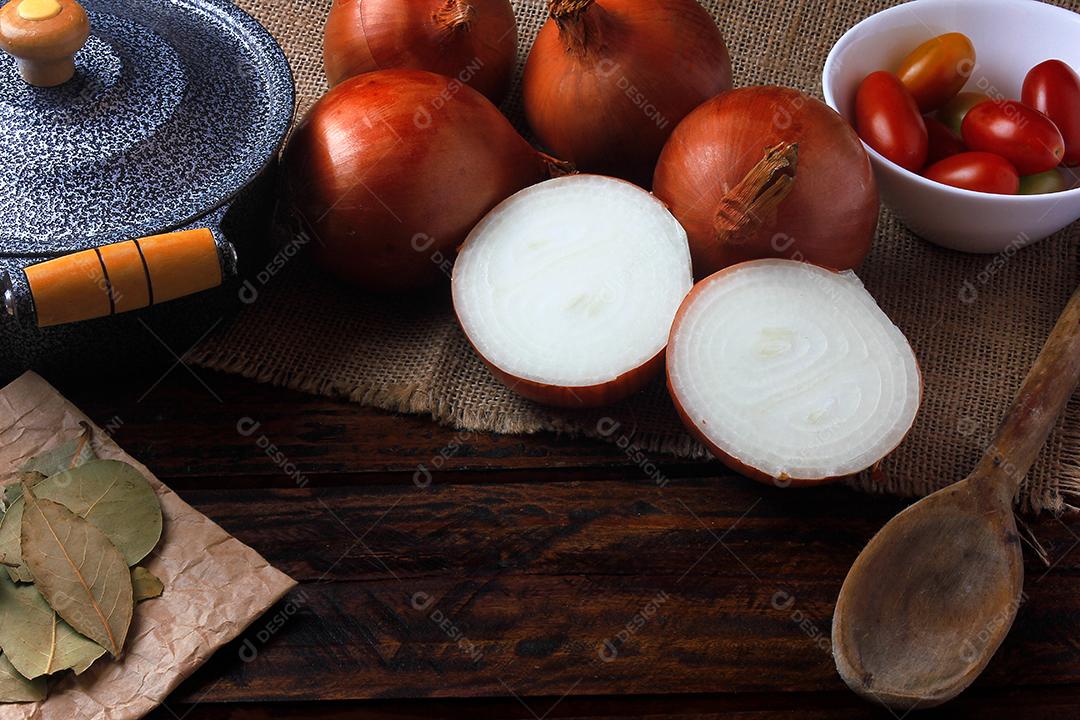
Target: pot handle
x,y
124,276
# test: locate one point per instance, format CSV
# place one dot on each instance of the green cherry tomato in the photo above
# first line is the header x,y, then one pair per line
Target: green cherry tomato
x,y
888,120
1051,181
978,171
1023,136
953,112
936,70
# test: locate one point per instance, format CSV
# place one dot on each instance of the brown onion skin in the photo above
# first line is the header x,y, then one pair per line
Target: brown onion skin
x,y
390,175
829,217
474,41
585,396
731,462
576,98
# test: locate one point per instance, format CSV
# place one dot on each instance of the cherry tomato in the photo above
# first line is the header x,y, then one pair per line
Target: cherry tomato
x,y
953,112
936,70
1023,136
979,171
888,119
1051,181
943,141
1053,88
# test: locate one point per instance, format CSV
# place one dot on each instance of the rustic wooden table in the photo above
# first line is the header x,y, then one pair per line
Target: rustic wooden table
x,y
453,575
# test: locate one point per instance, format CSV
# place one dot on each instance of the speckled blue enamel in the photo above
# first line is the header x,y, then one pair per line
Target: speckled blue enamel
x,y
175,106
173,119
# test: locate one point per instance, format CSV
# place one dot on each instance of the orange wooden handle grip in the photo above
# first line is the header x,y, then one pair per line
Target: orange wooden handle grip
x,y
125,276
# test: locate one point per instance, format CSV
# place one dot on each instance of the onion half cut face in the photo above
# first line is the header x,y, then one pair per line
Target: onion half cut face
x,y
568,289
791,373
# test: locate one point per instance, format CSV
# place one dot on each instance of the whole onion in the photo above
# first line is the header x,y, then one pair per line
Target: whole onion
x,y
473,41
769,172
608,80
391,169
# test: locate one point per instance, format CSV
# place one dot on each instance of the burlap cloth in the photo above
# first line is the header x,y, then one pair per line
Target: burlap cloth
x,y
976,322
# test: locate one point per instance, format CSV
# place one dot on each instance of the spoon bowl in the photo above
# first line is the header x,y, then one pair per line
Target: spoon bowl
x,y
930,599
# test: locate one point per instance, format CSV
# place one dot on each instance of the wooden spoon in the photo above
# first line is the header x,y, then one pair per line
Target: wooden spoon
x,y
934,593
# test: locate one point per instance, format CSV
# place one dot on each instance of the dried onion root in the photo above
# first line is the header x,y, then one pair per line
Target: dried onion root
x,y
567,289
790,373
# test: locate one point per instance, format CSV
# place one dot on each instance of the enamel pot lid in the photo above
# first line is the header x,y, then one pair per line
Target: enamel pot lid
x,y
172,107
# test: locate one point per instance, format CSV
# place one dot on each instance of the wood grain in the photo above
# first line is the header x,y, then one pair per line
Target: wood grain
x,y
178,426
536,550
537,577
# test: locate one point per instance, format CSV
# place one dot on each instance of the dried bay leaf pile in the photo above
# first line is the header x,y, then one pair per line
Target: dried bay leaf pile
x,y
71,535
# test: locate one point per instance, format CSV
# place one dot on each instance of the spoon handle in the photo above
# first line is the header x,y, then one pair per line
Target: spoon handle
x,y
1035,409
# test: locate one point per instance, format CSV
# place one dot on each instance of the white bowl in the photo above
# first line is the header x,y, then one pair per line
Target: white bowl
x,y
1010,38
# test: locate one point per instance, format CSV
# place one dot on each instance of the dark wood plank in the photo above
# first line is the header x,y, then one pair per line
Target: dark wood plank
x,y
1035,703
178,427
536,550
483,589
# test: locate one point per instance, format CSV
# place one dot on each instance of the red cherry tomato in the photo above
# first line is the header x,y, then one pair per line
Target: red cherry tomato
x,y
943,141
953,112
1053,88
936,70
888,120
979,171
1023,136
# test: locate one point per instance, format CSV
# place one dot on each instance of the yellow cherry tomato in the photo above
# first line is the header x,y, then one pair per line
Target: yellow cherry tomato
x,y
936,70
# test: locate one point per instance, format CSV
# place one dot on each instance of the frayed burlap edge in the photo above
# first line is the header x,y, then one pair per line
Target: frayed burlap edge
x,y
414,399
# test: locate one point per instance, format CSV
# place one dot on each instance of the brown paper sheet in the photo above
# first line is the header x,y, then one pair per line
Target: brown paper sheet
x,y
215,586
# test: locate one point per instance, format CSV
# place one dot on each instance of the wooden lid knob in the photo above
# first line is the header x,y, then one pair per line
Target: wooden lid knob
x,y
44,35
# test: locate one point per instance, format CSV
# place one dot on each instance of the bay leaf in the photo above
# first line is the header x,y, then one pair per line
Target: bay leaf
x,y
13,491
10,543
68,454
15,688
78,570
83,666
112,495
34,639
145,584
13,564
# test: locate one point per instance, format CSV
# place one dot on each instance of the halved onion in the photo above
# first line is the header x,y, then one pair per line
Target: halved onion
x,y
791,373
568,288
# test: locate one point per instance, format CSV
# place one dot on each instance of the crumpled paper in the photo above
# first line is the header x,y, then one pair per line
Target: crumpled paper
x,y
215,586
